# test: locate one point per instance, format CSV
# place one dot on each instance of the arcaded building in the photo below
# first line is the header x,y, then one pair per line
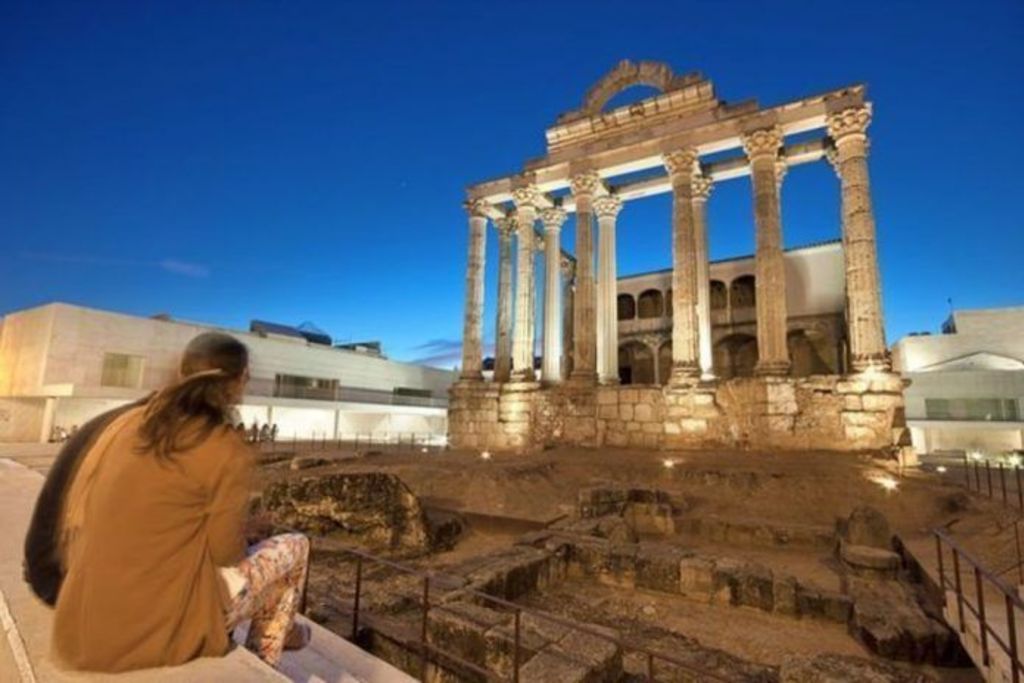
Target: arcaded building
x,y
703,354
815,326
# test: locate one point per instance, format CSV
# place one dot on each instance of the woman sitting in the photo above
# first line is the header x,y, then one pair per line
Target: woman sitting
x,y
152,539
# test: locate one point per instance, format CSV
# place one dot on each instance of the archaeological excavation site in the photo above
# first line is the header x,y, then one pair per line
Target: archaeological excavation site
x,y
616,565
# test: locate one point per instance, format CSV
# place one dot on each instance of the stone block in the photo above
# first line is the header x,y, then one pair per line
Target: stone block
x,y
852,402
650,518
864,436
628,395
881,402
626,412
780,423
784,590
643,412
608,412
755,588
653,428
658,567
866,526
607,397
673,428
693,425
852,386
823,604
696,578
869,562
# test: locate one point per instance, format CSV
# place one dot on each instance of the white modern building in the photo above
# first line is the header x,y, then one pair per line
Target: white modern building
x,y
60,365
967,383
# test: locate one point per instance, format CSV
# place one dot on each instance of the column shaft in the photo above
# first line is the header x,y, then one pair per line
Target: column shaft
x,y
503,342
607,209
567,318
522,345
551,362
584,307
685,365
472,332
863,287
701,190
762,147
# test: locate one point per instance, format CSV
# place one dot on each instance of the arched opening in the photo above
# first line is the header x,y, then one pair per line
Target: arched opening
x,y
719,295
636,363
665,362
650,304
627,307
805,358
735,356
742,292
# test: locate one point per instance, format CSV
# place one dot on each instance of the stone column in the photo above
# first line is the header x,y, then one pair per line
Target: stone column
x,y
607,209
569,282
685,356
584,368
503,329
472,331
551,361
863,289
522,344
701,191
762,147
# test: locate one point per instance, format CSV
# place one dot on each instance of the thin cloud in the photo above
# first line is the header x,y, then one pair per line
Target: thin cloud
x,y
168,265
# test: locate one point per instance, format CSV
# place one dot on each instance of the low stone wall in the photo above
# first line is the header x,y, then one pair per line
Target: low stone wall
x,y
834,412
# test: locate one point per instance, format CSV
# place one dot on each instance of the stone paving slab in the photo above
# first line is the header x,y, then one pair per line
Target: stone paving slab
x,y
329,659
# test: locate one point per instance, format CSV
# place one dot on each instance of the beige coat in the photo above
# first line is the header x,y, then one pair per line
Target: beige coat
x,y
142,587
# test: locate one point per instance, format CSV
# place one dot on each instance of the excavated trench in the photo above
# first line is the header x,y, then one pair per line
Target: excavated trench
x,y
628,581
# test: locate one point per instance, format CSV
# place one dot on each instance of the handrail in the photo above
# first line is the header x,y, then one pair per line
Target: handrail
x,y
517,610
1011,599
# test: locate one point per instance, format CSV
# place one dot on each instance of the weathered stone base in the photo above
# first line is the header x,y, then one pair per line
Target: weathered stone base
x,y
834,412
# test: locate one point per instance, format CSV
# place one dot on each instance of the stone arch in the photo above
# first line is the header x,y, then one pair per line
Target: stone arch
x,y
735,356
743,292
805,358
626,307
636,363
719,296
627,74
650,304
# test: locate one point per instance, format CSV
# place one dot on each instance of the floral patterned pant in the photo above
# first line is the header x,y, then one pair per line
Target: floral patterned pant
x,y
275,574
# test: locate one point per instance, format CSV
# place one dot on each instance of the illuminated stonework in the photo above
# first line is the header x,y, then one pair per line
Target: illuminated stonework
x,y
590,170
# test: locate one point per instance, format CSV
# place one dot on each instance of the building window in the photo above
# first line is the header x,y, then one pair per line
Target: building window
x,y
297,386
650,304
122,370
972,409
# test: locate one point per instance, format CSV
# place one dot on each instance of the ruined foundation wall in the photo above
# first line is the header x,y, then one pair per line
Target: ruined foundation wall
x,y
831,412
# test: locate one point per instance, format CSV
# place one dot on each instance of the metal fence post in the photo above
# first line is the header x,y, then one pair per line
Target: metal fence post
x,y
981,616
988,477
515,651
1011,622
959,589
355,601
967,470
1002,481
942,574
423,627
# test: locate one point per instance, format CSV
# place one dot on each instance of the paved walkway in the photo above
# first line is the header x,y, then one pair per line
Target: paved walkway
x,y
25,624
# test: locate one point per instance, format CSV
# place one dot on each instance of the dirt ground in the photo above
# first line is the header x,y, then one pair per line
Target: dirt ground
x,y
507,495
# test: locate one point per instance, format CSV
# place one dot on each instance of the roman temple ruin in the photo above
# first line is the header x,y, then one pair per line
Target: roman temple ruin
x,y
599,159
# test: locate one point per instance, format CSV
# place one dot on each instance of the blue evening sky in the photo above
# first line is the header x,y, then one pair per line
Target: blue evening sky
x,y
301,161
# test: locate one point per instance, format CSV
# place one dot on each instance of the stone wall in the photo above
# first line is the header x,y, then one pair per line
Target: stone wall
x,y
834,412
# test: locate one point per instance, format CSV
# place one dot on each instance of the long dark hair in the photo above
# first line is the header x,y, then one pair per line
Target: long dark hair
x,y
184,414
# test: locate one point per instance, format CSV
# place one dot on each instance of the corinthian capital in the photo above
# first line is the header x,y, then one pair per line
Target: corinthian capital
x,y
851,123
567,266
763,143
553,218
585,184
680,163
526,196
476,207
505,226
702,186
607,206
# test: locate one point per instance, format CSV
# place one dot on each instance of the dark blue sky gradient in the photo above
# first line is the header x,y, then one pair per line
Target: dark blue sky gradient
x,y
296,161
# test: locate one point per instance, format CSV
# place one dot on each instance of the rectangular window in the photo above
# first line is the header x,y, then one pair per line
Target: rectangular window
x,y
409,391
297,386
972,409
122,370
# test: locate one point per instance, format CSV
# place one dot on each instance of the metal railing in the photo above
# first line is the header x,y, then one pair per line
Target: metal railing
x,y
424,442
987,633
1011,498
431,653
